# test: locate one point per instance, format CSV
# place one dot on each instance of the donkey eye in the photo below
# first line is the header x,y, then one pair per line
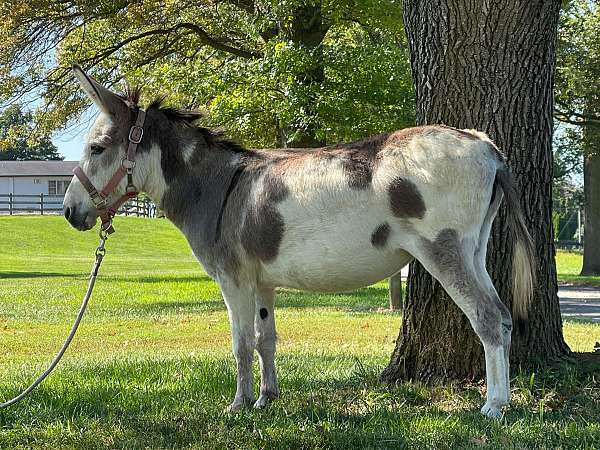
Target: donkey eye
x,y
96,149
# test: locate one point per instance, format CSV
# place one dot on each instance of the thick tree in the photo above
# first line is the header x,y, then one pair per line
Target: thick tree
x,y
578,104
591,185
488,66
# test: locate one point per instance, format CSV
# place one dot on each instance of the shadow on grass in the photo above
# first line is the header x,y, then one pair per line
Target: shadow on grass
x,y
182,307
584,281
365,299
176,403
7,275
360,300
326,402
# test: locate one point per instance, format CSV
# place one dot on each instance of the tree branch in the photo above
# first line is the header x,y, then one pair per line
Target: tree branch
x,y
568,113
214,43
564,117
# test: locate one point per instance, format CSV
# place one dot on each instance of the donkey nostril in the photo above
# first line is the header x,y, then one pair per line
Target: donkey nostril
x,y
67,212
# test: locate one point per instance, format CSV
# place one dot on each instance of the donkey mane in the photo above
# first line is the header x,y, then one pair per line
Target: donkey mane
x,y
184,117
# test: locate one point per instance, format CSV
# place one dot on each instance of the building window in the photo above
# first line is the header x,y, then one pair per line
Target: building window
x,y
57,187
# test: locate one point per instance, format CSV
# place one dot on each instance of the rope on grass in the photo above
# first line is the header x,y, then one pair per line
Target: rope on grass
x,y
100,252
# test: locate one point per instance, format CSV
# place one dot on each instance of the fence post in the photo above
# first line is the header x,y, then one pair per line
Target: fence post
x,y
396,292
578,226
10,204
42,203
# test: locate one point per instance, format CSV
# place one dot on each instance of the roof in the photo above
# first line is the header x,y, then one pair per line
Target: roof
x,y
36,168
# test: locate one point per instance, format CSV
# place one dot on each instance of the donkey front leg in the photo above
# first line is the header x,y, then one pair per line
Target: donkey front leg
x,y
266,337
240,307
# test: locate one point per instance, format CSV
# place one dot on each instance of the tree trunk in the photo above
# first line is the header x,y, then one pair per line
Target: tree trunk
x,y
591,186
488,66
308,31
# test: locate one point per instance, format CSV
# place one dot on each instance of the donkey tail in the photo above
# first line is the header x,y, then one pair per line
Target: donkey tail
x,y
523,271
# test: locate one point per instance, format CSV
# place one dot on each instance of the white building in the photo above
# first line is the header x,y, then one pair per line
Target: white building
x,y
27,178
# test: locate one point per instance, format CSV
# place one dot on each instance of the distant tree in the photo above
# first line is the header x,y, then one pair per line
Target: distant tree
x,y
567,199
18,142
567,149
567,189
293,73
578,104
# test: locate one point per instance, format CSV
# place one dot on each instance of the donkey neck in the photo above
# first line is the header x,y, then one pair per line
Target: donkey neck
x,y
197,173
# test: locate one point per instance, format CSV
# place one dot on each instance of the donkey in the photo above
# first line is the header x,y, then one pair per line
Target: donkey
x,y
327,219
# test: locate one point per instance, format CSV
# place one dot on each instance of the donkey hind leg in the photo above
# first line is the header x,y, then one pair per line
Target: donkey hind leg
x,y
451,261
240,308
486,282
488,285
264,324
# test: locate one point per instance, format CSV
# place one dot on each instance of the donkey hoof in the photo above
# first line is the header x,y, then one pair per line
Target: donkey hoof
x,y
264,400
237,405
492,412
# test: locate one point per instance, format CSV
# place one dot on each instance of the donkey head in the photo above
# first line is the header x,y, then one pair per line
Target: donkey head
x,y
104,152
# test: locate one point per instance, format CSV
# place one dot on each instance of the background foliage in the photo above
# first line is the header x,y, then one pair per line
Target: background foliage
x,y
16,130
269,72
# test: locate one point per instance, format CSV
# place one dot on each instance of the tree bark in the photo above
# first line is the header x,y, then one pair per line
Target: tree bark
x,y
591,186
489,66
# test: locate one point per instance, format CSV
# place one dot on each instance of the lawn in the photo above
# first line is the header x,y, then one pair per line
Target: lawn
x,y
568,268
151,367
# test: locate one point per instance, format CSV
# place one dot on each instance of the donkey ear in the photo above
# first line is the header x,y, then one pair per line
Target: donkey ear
x,y
107,101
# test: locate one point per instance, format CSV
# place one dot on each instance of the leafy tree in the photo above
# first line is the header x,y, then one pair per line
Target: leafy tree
x,y
18,141
578,104
292,73
567,200
567,192
567,150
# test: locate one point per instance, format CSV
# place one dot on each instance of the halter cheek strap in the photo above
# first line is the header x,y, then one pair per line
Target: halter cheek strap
x,y
99,198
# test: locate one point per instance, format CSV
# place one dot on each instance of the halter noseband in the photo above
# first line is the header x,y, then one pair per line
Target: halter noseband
x,y
99,198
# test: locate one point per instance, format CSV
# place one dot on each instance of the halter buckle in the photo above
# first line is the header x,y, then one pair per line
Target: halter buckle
x,y
135,134
127,164
98,201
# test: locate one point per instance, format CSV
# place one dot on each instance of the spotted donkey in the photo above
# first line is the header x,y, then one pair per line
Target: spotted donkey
x,y
328,219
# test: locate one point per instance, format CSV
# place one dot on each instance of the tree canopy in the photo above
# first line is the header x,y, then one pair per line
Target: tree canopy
x,y
578,63
267,71
577,90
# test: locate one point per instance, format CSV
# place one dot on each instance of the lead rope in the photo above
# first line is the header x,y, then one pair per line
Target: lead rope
x,y
100,252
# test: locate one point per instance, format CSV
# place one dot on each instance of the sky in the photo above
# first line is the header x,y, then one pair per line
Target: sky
x,y
70,142
70,145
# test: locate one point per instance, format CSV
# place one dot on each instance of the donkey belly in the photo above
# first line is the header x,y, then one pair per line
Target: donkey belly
x,y
342,260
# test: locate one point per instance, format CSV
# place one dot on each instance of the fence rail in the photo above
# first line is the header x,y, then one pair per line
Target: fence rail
x,y
53,204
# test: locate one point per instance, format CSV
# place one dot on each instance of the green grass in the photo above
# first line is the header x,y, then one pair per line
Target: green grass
x,y
151,367
568,268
